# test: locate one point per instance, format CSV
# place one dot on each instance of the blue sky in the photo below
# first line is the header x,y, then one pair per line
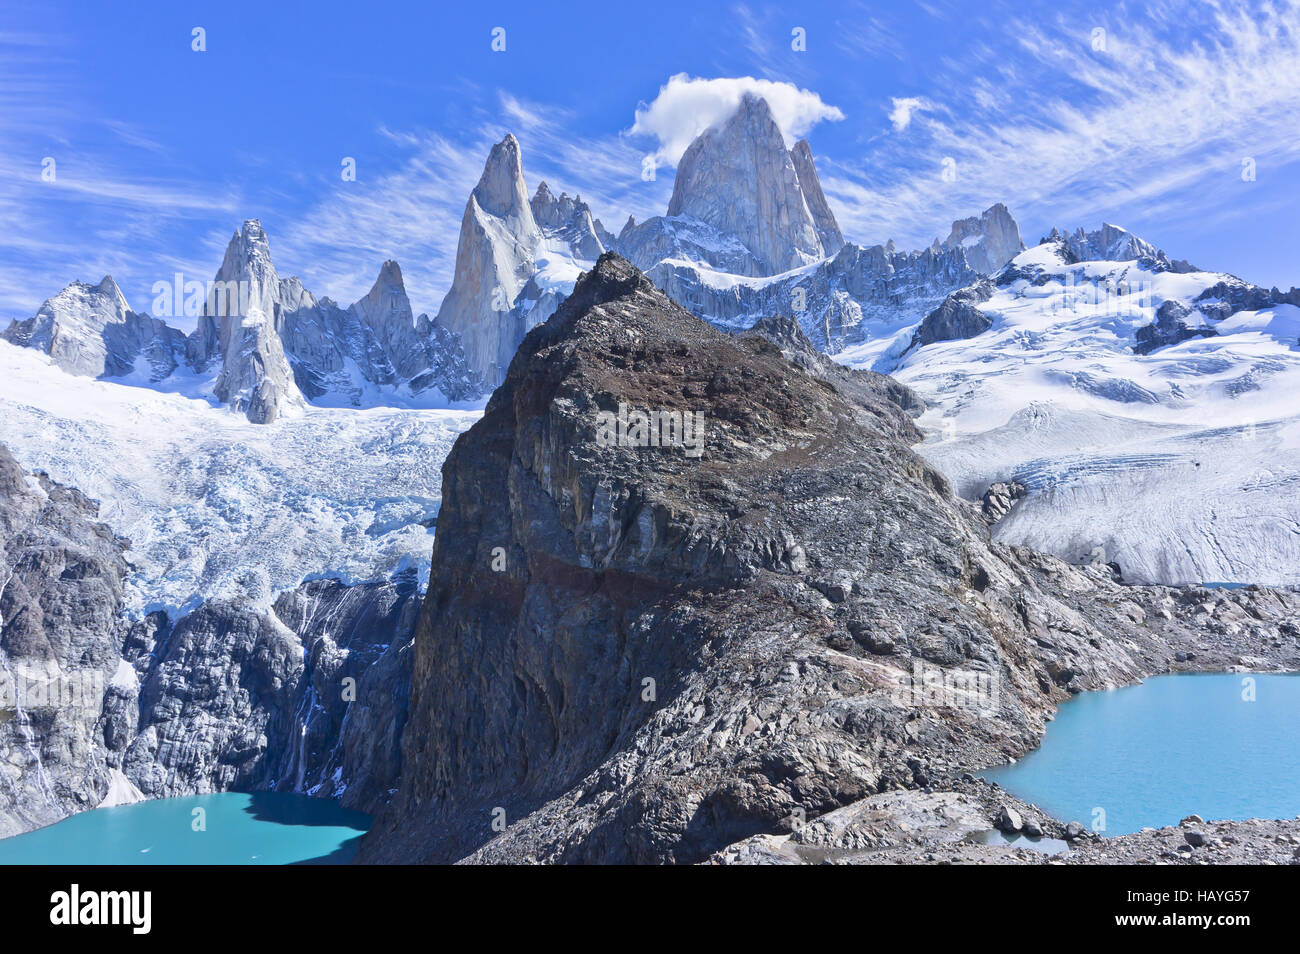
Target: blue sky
x,y
1071,113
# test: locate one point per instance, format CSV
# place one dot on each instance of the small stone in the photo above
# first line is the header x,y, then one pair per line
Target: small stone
x,y
1074,830
1191,820
1194,838
1033,829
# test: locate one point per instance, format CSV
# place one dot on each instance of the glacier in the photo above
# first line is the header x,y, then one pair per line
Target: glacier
x,y
217,506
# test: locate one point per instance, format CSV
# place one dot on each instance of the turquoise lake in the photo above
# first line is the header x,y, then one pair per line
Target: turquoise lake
x,y
1177,745
264,828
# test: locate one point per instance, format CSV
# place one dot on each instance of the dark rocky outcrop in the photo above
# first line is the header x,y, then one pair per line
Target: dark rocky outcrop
x,y
957,318
1176,322
627,654
890,401
1169,328
1000,498
1226,298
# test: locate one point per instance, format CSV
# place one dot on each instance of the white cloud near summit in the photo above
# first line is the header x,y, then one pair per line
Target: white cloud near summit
x,y
686,106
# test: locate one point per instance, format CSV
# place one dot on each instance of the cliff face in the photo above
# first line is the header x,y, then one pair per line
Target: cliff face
x,y
514,261
61,576
309,694
633,653
255,374
494,259
990,239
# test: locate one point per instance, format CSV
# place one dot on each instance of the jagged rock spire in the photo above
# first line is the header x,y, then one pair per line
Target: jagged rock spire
x,y
739,178
243,312
990,239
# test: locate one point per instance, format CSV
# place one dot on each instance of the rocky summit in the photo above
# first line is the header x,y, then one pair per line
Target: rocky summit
x,y
629,654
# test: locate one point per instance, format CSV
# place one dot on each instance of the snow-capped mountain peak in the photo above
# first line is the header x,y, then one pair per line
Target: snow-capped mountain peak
x,y
828,229
739,178
90,330
1111,243
264,345
515,261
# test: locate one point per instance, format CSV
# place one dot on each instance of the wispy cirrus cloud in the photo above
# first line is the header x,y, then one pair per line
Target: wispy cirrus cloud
x,y
410,213
1078,122
72,183
413,211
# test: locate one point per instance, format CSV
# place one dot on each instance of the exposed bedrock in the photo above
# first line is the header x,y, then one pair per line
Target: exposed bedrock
x,y
630,654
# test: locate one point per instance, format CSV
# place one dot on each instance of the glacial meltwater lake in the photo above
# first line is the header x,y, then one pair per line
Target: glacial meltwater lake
x,y
263,828
1176,745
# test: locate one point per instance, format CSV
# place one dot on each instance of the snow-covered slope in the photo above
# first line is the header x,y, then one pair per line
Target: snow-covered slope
x,y
215,505
1180,464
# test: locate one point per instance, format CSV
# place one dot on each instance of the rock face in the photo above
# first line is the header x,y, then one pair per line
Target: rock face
x,y
494,260
1169,328
375,347
61,577
89,330
990,240
739,179
828,230
569,219
501,288
631,654
386,312
1110,243
744,206
958,317
244,316
857,293
894,404
309,696
1000,498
